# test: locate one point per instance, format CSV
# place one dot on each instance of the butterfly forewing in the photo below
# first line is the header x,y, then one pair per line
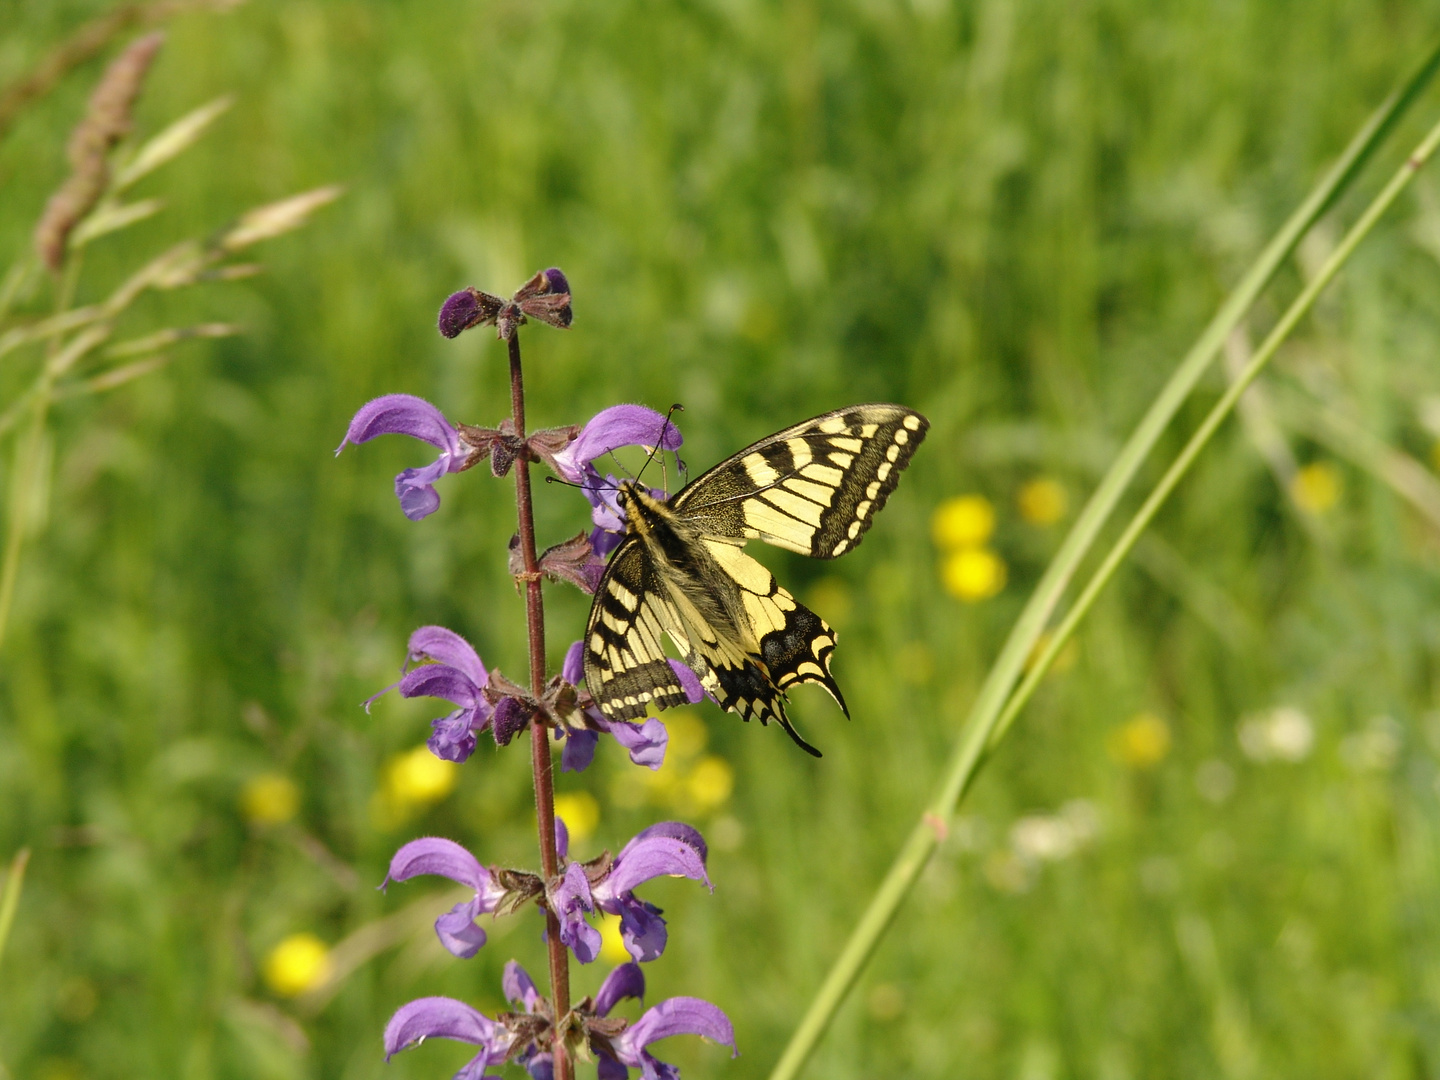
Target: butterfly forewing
x,y
625,666
813,488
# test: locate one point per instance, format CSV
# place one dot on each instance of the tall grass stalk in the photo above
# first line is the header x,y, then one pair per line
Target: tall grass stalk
x,y
995,708
10,896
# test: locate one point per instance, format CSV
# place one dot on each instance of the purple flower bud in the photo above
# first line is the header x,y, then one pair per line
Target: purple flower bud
x,y
467,308
557,281
510,718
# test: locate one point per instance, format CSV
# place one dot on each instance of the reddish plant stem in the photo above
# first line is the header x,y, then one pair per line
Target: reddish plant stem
x,y
539,734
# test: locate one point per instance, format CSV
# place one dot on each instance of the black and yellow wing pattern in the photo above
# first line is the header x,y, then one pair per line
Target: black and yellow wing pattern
x,y
813,488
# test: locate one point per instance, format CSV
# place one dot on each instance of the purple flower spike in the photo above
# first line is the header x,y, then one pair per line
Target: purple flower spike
x,y
612,428
457,676
404,414
446,1018
456,929
674,1016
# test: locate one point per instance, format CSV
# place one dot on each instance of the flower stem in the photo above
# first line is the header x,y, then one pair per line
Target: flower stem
x,y
539,734
981,727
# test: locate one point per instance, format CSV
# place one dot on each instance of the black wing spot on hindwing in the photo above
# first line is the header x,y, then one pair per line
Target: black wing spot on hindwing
x,y
801,652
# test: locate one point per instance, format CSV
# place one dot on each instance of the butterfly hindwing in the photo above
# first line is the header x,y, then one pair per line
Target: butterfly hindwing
x,y
813,488
626,670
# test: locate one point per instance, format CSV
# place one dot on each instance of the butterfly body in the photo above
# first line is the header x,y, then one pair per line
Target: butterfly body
x,y
681,572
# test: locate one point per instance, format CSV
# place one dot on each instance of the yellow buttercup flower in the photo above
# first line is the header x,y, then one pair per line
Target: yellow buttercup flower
x,y
1141,742
269,799
688,735
1316,488
710,783
299,963
612,945
418,777
1042,501
964,521
580,811
973,574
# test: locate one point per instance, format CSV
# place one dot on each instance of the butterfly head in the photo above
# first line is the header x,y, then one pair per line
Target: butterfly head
x,y
640,506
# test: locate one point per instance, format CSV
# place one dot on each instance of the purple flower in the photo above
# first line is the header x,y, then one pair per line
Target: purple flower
x,y
571,900
446,1018
610,429
674,1016
668,849
456,929
403,414
645,742
520,989
457,676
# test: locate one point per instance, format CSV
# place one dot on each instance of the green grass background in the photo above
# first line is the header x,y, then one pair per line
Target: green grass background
x,y
1013,215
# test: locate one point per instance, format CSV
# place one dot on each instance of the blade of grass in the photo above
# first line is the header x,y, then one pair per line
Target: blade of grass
x,y
10,897
1221,409
985,713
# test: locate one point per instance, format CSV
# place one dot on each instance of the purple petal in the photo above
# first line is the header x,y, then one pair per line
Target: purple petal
x,y
573,670
626,981
414,488
677,830
452,737
447,647
612,428
604,541
674,1016
441,681
579,750
604,498
436,855
570,901
457,931
646,742
443,1018
562,838
689,682
653,854
540,1066
641,928
403,414
607,1068
519,987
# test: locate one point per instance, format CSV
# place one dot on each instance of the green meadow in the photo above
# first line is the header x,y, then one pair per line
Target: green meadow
x,y
1209,847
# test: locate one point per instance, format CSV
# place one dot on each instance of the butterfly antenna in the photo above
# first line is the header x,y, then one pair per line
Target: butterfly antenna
x,y
582,487
677,407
